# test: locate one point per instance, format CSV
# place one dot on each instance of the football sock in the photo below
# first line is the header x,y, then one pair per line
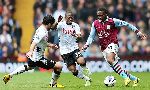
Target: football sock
x,y
19,70
123,73
55,76
81,75
130,75
117,68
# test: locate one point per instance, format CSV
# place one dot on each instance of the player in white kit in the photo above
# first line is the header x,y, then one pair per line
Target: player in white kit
x,y
36,53
68,33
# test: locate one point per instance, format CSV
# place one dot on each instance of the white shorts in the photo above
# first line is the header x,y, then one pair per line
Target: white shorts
x,y
111,48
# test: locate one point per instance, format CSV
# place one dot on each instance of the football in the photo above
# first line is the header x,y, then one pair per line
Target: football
x,y
110,81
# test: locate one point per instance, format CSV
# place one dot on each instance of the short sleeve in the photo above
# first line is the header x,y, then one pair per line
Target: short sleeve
x,y
38,36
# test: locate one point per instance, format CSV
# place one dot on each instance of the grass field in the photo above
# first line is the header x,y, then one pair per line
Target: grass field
x,y
40,81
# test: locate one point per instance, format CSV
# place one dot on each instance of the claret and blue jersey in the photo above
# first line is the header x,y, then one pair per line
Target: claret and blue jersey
x,y
107,31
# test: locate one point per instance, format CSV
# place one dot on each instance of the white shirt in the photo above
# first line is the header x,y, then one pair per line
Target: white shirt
x,y
5,38
67,42
40,38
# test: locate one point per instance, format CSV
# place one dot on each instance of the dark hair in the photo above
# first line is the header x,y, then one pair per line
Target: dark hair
x,y
103,9
48,19
68,11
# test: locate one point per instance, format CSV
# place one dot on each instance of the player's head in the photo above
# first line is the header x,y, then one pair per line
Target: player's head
x,y
102,13
69,17
48,20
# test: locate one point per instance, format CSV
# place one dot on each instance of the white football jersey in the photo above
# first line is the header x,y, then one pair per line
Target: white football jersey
x,y
67,42
41,38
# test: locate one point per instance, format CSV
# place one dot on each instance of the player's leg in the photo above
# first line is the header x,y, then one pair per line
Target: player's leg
x,y
30,65
79,74
110,55
50,64
56,74
81,61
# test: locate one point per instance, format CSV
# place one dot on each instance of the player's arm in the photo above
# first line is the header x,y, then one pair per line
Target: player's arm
x,y
77,33
120,23
29,53
91,37
54,26
36,39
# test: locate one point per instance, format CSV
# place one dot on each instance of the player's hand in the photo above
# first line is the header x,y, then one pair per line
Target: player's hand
x,y
74,34
53,46
29,54
85,47
141,35
60,18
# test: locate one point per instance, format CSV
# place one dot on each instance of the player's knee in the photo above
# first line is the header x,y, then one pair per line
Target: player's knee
x,y
31,63
81,61
58,65
111,58
26,67
75,73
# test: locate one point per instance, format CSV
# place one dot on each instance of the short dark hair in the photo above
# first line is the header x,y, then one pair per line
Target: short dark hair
x,y
48,19
103,9
68,11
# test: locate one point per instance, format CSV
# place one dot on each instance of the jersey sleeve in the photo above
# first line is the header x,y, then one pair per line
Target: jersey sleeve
x,y
120,23
92,35
38,36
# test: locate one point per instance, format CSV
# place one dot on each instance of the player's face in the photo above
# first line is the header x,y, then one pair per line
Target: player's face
x,y
101,15
69,18
49,26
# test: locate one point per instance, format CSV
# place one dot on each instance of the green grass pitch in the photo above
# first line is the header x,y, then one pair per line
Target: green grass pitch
x,y
40,81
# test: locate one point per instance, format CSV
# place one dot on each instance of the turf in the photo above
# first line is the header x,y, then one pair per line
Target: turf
x,y
40,81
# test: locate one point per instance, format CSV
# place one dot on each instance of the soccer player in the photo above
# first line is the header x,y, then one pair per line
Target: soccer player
x,y
69,33
107,29
36,53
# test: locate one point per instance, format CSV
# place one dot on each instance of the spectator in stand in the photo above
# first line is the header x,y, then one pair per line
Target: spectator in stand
x,y
59,10
6,41
7,28
38,17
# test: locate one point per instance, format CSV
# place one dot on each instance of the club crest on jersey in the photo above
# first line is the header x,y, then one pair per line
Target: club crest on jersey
x,y
108,26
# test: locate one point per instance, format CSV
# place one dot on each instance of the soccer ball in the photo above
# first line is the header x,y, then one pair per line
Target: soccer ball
x,y
110,81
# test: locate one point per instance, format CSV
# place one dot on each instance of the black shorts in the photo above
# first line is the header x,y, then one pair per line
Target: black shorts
x,y
43,63
71,57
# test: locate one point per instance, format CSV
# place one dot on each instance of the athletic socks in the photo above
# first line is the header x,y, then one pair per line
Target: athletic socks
x,y
123,73
55,76
19,70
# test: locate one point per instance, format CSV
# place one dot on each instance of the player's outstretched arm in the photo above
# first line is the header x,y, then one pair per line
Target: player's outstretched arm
x,y
90,38
120,23
30,52
54,26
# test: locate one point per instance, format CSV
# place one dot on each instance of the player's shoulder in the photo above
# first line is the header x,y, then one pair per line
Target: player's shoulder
x,y
41,30
74,23
95,22
110,20
61,24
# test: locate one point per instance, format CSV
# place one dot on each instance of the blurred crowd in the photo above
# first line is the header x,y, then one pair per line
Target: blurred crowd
x,y
10,30
136,12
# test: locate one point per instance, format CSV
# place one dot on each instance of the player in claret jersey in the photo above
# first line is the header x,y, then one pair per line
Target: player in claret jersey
x,y
68,33
106,29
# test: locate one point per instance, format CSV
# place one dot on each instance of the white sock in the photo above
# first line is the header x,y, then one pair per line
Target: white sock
x,y
54,78
82,76
19,70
